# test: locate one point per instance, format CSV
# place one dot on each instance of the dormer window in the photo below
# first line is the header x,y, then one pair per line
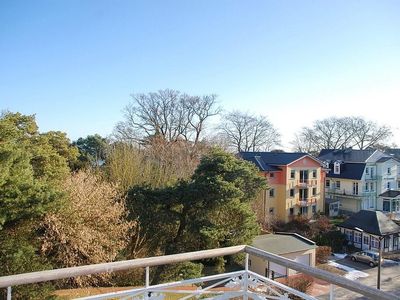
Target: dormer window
x,y
336,168
367,171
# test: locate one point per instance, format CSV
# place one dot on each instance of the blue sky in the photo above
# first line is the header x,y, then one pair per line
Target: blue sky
x,y
75,63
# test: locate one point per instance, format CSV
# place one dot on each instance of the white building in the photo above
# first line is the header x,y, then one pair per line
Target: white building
x,y
357,178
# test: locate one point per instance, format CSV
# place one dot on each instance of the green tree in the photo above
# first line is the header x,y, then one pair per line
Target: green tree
x,y
92,150
210,210
31,166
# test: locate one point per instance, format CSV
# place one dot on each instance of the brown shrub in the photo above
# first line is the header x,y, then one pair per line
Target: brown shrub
x,y
322,254
299,282
90,228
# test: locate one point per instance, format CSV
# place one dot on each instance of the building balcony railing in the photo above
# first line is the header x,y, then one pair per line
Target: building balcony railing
x,y
307,201
303,183
243,284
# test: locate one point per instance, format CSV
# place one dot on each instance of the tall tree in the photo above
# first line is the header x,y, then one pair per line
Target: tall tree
x,y
210,210
31,166
337,133
246,132
168,114
92,150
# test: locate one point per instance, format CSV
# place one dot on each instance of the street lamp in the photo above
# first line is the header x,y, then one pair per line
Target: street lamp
x,y
378,284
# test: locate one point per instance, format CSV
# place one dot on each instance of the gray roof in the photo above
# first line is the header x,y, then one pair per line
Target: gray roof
x,y
269,161
283,242
390,194
373,222
348,171
347,155
393,152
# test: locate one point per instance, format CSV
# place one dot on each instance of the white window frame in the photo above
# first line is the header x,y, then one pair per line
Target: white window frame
x,y
357,237
374,242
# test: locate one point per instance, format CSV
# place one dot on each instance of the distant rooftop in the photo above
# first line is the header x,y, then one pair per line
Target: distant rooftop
x,y
348,171
283,242
270,161
347,155
390,194
374,222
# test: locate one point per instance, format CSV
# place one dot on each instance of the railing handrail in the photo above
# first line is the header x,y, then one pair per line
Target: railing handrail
x,y
322,274
48,275
41,276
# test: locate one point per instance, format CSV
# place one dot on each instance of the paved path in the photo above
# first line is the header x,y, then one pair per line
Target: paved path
x,y
390,280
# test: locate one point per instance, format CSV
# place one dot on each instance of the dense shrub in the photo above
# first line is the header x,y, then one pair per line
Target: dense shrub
x,y
322,254
334,239
299,282
90,228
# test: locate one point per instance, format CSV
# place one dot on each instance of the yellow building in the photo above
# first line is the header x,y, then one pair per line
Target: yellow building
x,y
296,185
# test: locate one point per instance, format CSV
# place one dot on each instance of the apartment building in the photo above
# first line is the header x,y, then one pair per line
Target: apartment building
x,y
358,179
296,184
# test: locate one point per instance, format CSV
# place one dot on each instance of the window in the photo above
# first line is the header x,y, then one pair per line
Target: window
x,y
337,168
327,183
355,188
371,186
386,205
367,171
386,242
272,193
303,194
292,174
314,209
357,237
314,173
388,185
292,193
272,175
366,186
271,211
314,191
374,242
304,210
398,184
337,184
389,171
303,175
291,211
366,240
349,235
395,243
249,262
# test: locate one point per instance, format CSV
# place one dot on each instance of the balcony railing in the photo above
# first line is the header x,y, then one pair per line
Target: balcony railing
x,y
243,284
306,201
302,183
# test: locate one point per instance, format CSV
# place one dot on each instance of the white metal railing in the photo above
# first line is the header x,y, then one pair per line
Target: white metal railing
x,y
243,283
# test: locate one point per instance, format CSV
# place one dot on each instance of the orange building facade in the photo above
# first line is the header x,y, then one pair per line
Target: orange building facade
x,y
295,181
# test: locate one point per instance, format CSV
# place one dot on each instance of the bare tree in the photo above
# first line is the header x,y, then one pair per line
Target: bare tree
x,y
168,114
245,132
337,133
368,134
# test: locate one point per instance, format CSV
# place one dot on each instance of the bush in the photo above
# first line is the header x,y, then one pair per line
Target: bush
x,y
322,254
19,254
300,282
91,227
181,271
334,239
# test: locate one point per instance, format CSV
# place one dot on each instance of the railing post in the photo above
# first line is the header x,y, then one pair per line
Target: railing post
x,y
147,282
246,277
332,292
9,293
